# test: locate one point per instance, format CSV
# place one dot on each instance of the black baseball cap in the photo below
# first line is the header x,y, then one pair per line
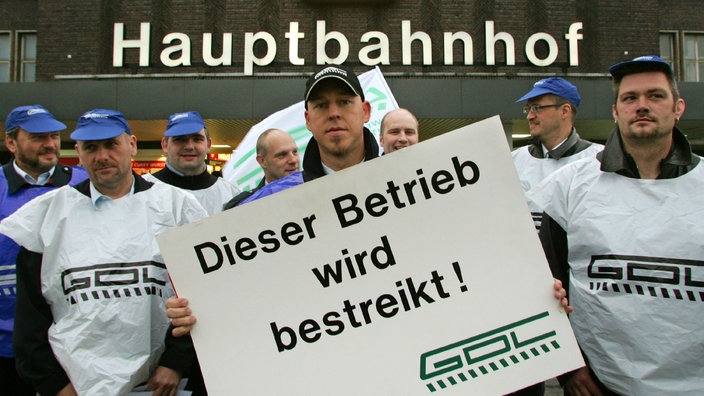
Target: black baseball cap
x,y
339,72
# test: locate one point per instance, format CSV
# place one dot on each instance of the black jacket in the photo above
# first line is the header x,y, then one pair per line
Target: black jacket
x,y
242,196
197,182
313,166
573,145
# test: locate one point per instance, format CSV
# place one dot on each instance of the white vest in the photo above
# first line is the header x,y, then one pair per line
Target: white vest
x,y
532,170
104,278
636,257
211,198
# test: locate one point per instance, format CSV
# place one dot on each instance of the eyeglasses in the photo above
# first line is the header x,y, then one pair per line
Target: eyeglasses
x,y
536,108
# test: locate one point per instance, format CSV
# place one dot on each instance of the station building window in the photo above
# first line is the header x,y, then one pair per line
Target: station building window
x,y
693,59
18,56
26,59
685,53
668,49
5,58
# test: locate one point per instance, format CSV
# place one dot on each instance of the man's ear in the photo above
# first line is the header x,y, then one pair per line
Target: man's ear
x,y
367,111
260,160
10,143
679,108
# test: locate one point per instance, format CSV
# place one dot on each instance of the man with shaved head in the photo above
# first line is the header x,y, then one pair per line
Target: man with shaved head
x,y
277,154
399,129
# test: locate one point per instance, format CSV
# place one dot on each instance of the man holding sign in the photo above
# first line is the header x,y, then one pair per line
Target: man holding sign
x,y
335,114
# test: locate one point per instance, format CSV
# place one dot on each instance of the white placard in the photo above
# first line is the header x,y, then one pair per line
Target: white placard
x,y
417,273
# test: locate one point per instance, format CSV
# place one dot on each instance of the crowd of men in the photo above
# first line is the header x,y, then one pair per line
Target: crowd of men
x,y
608,217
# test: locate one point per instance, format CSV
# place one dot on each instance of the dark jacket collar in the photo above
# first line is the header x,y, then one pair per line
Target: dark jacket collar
x,y
61,177
573,145
243,195
313,166
139,185
198,182
679,161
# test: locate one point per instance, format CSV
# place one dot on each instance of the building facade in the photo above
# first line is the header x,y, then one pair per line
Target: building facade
x,y
236,62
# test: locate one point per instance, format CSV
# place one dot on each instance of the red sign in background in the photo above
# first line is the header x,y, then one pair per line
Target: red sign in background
x,y
141,167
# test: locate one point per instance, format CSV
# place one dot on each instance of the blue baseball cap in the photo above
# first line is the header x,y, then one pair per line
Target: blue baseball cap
x,y
186,123
556,86
33,119
100,124
641,64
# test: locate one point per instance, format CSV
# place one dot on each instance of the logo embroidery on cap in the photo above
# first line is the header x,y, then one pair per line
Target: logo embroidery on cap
x,y
329,70
95,115
35,111
179,116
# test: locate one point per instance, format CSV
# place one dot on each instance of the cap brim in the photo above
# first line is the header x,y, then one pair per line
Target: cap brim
x,y
185,128
42,125
312,87
96,133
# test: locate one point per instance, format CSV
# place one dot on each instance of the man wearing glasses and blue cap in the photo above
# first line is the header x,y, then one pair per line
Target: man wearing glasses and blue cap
x,y
32,135
551,109
624,231
91,281
186,143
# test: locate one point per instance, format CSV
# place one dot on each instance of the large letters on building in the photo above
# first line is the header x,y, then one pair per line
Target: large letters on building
x,y
177,50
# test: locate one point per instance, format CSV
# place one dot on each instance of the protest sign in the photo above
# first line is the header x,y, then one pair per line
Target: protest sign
x,y
419,272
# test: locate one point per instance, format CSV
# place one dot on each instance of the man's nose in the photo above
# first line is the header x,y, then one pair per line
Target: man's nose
x,y
101,153
333,110
643,104
47,140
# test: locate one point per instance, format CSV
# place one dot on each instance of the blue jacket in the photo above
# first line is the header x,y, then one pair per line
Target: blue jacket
x,y
15,192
